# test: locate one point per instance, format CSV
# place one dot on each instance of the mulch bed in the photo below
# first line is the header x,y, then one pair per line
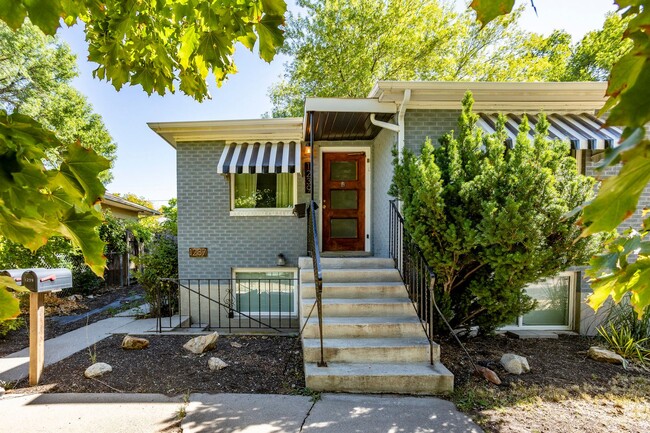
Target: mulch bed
x,y
19,339
561,363
262,365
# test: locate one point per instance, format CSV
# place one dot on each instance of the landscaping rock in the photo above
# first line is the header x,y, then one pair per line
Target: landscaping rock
x,y
488,374
2,391
98,369
216,364
604,355
75,298
515,364
134,343
235,345
202,343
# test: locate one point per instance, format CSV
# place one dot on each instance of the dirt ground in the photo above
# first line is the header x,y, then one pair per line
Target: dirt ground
x,y
564,392
262,365
59,305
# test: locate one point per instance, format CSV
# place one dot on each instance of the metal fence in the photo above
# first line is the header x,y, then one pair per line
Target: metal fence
x,y
227,303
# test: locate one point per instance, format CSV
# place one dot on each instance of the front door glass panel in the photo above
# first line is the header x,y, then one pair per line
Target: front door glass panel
x,y
344,199
343,171
344,227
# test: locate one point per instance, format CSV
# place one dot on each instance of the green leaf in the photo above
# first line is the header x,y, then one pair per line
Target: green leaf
x,y
83,165
79,227
612,154
271,36
9,305
487,10
618,195
13,13
633,108
45,14
189,43
274,7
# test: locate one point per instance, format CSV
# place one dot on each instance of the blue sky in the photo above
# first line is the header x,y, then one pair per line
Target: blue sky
x,y
146,164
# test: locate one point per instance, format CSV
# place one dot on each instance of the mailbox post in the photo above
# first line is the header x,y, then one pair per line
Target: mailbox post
x,y
39,282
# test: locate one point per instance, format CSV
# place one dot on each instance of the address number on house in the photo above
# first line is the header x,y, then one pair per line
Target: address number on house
x,y
198,252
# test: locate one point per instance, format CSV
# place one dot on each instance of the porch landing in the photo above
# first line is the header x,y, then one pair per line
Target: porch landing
x,y
373,341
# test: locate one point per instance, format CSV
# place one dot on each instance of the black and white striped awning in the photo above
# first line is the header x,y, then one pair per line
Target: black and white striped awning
x,y
276,157
583,131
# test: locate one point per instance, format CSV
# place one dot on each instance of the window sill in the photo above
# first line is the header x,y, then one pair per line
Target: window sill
x,y
284,212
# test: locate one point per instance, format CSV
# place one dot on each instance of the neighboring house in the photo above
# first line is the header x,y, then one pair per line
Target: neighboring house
x,y
239,180
119,267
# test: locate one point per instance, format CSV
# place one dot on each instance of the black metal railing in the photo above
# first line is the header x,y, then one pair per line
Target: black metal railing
x,y
227,303
314,252
416,273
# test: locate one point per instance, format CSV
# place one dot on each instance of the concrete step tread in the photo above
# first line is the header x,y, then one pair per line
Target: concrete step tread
x,y
349,262
365,342
351,320
376,369
359,301
354,285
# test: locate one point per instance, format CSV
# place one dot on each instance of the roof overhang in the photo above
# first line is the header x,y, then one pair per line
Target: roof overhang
x,y
121,203
495,96
345,119
230,130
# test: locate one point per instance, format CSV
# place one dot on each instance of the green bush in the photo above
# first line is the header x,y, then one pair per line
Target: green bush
x,y
161,261
491,219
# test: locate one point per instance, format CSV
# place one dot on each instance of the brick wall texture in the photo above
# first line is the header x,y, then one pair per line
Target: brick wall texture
x,y
420,124
205,221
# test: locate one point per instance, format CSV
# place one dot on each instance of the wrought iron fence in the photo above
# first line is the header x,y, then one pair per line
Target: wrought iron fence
x,y
227,303
416,273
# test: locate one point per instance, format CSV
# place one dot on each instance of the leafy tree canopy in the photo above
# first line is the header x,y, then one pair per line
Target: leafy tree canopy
x,y
490,220
35,80
342,48
48,185
624,268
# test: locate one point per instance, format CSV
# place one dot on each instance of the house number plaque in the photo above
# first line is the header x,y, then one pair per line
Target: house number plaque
x,y
198,252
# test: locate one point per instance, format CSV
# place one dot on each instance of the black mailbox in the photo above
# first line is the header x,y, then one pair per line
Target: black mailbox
x,y
47,280
300,210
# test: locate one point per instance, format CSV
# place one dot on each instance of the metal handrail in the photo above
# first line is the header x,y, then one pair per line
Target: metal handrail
x,y
417,275
314,251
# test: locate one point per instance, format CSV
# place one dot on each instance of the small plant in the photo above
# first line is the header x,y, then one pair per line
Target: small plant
x,y
627,334
622,341
7,326
92,354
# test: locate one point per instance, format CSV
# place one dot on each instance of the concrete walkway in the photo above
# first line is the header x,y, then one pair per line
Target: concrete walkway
x,y
231,413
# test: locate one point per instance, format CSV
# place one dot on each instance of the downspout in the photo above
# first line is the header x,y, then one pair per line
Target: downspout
x,y
399,128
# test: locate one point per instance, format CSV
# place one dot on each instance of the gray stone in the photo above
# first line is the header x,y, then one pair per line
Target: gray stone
x,y
202,343
134,343
604,355
515,364
2,391
217,364
98,369
235,345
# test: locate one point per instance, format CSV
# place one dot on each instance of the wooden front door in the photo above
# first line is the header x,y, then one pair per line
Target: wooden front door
x,y
344,200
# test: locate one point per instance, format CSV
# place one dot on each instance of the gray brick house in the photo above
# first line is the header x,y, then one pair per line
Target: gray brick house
x,y
239,182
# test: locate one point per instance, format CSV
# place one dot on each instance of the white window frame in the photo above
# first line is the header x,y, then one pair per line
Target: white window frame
x,y
248,212
294,313
571,315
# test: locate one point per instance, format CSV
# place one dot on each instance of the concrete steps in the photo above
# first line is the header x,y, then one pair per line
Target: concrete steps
x,y
373,341
397,378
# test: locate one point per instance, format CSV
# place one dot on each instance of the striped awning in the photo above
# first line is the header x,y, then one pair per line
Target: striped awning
x,y
583,131
276,157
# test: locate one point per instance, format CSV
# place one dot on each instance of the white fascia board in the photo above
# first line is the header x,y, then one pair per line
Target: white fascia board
x,y
346,105
230,130
566,96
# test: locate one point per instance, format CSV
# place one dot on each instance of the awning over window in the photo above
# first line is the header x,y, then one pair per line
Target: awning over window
x,y
279,157
583,131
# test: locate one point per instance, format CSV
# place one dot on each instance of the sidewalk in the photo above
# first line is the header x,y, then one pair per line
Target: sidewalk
x,y
231,413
